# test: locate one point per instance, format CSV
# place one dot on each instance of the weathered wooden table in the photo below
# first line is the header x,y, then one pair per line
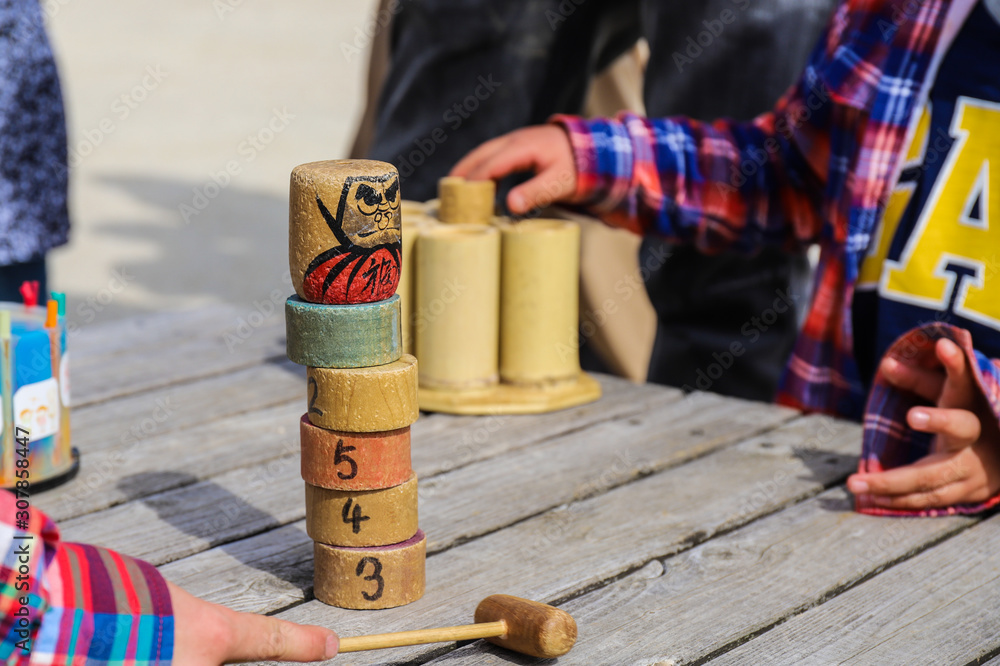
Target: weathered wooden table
x,y
676,529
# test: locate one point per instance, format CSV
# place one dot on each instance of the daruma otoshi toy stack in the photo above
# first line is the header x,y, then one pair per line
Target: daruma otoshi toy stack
x,y
344,325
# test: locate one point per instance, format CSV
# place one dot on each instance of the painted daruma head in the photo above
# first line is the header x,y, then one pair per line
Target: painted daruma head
x,y
368,211
344,231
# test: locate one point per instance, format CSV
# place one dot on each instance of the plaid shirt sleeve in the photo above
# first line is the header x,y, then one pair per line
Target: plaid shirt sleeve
x,y
65,603
720,185
889,442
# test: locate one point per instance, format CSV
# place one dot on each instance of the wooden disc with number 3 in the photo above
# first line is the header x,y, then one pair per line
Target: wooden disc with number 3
x,y
362,517
371,578
354,460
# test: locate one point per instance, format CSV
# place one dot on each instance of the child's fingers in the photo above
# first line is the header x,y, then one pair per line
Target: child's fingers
x,y
924,476
550,186
948,495
258,637
958,390
958,428
920,381
478,156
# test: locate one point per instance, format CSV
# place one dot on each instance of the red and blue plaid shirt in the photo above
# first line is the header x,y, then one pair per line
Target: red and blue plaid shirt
x,y
819,168
72,604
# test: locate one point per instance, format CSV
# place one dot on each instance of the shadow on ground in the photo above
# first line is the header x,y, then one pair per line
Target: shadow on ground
x,y
222,511
231,249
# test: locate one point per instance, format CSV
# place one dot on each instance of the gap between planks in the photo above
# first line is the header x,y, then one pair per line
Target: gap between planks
x,y
941,606
700,603
247,499
572,548
166,350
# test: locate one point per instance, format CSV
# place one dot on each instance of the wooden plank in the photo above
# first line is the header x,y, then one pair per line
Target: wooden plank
x,y
152,330
153,464
117,423
942,606
158,458
552,473
451,442
716,595
261,574
171,525
179,349
581,546
494,493
166,526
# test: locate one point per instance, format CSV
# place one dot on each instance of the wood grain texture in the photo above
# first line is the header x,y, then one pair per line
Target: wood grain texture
x,y
446,442
510,398
942,606
358,518
686,608
342,336
250,574
159,462
539,301
465,201
457,324
569,550
567,476
344,231
179,522
685,563
354,460
585,463
116,423
546,474
371,578
534,629
157,351
127,448
364,399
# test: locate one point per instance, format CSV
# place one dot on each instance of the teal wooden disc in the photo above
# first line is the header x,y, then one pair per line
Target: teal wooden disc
x,y
342,336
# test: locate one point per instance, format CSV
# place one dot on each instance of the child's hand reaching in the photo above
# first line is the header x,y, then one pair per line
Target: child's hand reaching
x,y
208,635
544,149
964,465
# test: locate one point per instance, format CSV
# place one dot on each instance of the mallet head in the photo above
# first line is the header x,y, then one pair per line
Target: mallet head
x,y
533,628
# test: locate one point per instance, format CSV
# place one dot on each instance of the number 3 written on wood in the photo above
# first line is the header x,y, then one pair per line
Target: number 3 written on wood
x,y
376,575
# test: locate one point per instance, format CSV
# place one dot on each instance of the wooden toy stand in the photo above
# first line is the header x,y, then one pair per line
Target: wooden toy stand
x,y
494,310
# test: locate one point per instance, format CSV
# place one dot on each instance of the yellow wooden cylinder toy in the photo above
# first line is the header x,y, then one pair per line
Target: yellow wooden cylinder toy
x,y
456,322
466,201
539,301
412,224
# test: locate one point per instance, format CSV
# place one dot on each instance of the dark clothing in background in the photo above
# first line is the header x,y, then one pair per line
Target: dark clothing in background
x,y
33,172
464,71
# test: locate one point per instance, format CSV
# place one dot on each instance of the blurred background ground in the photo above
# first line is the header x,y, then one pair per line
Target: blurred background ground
x,y
195,109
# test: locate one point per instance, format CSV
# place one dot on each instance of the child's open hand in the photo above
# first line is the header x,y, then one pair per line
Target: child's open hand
x,y
544,149
964,465
208,635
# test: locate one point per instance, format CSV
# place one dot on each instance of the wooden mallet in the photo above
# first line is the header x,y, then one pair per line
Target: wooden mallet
x,y
520,625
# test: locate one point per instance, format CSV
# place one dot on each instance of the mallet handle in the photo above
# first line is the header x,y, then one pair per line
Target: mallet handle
x,y
422,636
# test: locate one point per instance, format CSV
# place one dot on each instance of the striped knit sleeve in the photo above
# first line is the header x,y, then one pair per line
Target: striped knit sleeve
x,y
65,603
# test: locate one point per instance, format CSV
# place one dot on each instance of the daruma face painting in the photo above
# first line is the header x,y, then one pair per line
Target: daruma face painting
x,y
345,233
